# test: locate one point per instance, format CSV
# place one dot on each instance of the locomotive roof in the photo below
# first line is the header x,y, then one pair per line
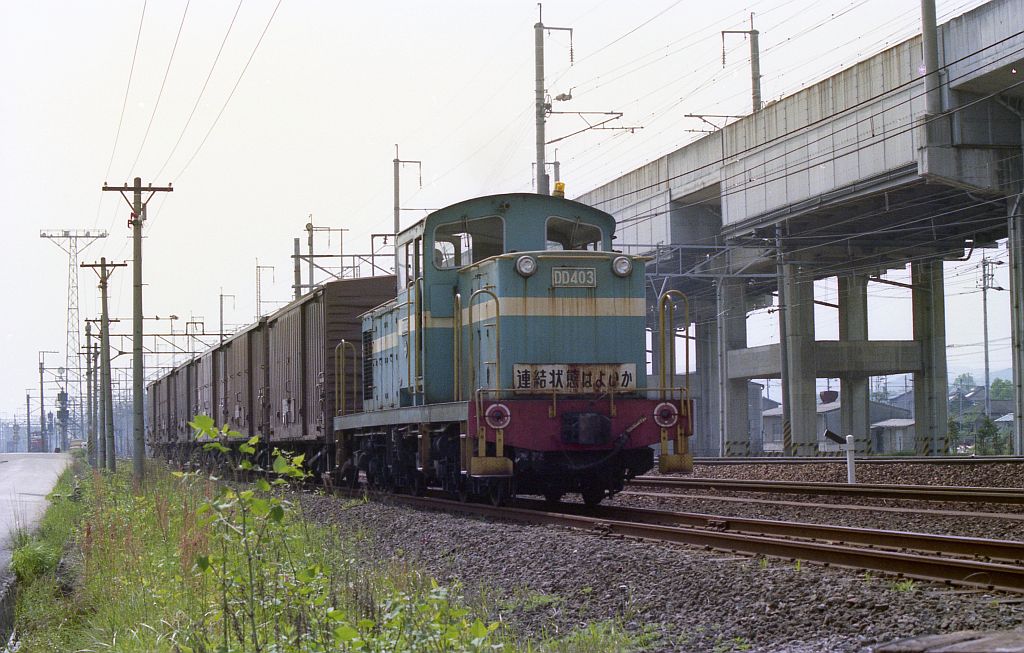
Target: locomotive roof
x,y
520,204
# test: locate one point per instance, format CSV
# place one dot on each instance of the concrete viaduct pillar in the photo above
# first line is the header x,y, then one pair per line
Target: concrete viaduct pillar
x,y
733,420
853,389
708,428
801,364
1015,245
930,385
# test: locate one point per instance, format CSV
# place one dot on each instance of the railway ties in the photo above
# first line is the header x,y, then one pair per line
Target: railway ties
x,y
876,491
944,559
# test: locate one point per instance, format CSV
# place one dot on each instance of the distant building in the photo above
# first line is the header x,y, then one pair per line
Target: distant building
x,y
1005,424
828,418
893,435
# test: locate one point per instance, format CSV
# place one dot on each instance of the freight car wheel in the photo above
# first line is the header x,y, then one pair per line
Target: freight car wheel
x,y
553,497
592,496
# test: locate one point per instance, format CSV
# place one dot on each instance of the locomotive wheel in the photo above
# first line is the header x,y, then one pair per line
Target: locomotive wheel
x,y
498,493
592,496
462,491
553,497
419,484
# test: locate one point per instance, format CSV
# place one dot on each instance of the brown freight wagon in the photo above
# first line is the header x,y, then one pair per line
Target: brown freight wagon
x,y
302,339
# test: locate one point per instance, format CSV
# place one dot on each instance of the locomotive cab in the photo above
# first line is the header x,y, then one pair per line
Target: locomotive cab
x,y
514,314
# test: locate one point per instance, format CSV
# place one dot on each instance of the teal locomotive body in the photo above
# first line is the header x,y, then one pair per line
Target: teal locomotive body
x,y
512,360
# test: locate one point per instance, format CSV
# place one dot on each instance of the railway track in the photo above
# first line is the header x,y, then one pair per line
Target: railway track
x,y
861,460
878,491
911,555
803,505
976,562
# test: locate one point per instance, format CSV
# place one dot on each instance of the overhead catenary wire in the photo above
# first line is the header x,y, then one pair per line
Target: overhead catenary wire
x,y
232,93
124,105
160,94
202,91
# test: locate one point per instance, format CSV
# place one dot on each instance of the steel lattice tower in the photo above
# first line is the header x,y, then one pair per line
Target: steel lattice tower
x,y
73,241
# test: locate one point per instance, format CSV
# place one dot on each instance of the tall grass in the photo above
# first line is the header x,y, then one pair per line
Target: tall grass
x,y
193,565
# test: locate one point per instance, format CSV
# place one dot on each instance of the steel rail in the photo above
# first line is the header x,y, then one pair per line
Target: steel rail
x,y
840,459
972,547
880,491
976,573
860,507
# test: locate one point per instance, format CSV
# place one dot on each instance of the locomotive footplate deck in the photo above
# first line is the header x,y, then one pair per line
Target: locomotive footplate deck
x,y
455,411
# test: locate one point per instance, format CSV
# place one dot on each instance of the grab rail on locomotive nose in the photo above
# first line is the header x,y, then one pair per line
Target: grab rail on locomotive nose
x,y
481,464
680,460
457,346
666,318
339,369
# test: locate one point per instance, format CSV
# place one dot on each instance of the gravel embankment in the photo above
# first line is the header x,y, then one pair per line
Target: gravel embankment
x,y
541,579
961,474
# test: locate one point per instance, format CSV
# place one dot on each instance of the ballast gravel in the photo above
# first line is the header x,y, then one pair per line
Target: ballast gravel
x,y
545,580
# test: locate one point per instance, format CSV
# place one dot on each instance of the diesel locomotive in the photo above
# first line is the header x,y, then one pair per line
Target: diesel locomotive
x,y
511,360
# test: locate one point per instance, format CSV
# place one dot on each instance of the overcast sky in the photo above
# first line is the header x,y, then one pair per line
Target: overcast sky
x,y
310,128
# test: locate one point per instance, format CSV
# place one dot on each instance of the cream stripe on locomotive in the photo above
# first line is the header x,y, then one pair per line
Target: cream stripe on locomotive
x,y
549,307
522,307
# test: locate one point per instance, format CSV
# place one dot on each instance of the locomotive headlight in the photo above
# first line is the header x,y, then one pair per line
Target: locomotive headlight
x,y
497,416
622,266
526,265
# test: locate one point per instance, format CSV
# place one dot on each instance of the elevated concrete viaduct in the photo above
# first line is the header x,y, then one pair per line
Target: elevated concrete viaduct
x,y
848,178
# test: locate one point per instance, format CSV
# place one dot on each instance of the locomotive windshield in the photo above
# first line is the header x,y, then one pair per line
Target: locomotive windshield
x,y
462,243
572,234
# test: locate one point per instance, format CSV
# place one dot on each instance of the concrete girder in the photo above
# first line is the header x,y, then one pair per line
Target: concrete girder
x,y
834,359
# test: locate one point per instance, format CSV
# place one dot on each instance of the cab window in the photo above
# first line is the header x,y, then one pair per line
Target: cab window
x,y
563,233
410,268
462,243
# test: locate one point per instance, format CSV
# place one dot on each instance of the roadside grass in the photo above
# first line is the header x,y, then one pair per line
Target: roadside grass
x,y
190,564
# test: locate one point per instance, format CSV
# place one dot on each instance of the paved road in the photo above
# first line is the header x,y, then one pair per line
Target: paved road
x,y
25,480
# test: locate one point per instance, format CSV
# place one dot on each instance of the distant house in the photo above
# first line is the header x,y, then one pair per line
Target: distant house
x,y
1005,424
892,435
828,418
903,400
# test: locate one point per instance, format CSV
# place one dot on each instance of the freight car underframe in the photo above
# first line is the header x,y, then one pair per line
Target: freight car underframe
x,y
592,452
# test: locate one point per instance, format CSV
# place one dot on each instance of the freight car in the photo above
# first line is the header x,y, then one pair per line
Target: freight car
x,y
511,359
274,378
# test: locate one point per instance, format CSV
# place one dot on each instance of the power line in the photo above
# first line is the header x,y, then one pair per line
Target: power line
x,y
160,94
233,89
202,90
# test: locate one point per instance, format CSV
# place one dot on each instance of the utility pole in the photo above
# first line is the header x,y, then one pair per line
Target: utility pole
x,y
106,390
755,61
987,283
42,403
309,243
259,285
90,426
73,241
138,218
541,106
929,45
398,209
28,421
787,411
222,296
297,285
